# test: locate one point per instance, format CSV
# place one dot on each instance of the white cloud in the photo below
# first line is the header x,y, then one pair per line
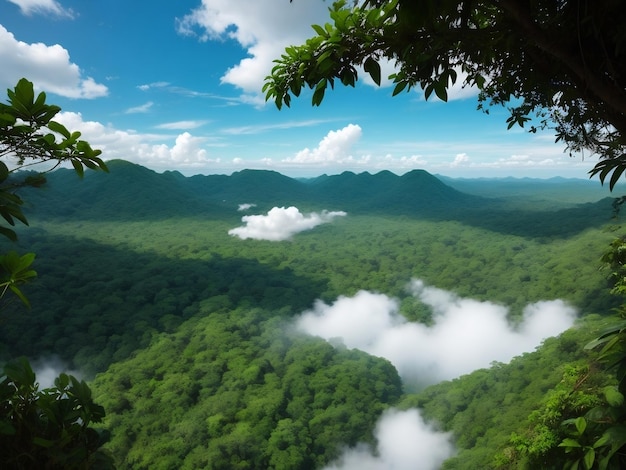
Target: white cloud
x,y
259,26
260,128
245,207
155,85
466,335
281,223
180,125
334,148
185,152
48,67
460,159
44,7
404,442
264,31
144,108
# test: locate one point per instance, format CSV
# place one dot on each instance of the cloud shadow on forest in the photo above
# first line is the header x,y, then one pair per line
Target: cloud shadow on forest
x,y
139,293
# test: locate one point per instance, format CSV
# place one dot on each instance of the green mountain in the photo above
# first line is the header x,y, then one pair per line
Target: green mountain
x,y
131,191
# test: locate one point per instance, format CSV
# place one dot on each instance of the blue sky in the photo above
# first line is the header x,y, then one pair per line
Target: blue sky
x,y
175,85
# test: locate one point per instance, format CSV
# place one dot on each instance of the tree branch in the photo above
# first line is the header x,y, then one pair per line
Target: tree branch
x,y
611,95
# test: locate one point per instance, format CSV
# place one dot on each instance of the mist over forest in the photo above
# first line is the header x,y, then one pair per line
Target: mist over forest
x,y
346,321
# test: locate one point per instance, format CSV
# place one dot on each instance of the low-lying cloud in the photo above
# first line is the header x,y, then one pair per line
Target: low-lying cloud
x,y
405,442
281,223
48,369
466,334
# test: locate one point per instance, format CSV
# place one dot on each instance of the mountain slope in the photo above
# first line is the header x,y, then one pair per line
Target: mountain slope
x,y
132,191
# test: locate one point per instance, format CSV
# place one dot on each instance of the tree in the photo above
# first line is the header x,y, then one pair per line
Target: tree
x,y
29,136
555,64
48,428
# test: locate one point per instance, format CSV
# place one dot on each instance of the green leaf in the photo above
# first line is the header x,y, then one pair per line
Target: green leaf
x,y
59,129
319,30
41,442
24,92
19,295
20,372
4,171
581,425
400,86
318,94
372,67
10,234
613,396
569,442
589,458
441,91
617,173
78,167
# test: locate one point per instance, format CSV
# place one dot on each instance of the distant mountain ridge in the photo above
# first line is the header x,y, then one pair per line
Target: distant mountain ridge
x,y
133,190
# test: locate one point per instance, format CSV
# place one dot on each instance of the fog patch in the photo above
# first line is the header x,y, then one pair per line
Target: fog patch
x,y
48,369
246,206
281,223
466,334
404,442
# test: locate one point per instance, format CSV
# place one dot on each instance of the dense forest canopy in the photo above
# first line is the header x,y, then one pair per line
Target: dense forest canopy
x,y
193,339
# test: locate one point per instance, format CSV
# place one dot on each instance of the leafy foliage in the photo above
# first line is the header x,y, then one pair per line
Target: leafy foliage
x,y
594,435
233,389
14,271
49,428
555,65
549,430
30,136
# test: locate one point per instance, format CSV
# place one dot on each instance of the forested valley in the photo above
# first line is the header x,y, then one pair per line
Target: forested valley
x,y
197,335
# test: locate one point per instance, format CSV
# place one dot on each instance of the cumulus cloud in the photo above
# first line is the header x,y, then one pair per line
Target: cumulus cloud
x,y
265,31
186,151
404,442
466,334
336,147
44,7
460,159
257,26
281,223
48,67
